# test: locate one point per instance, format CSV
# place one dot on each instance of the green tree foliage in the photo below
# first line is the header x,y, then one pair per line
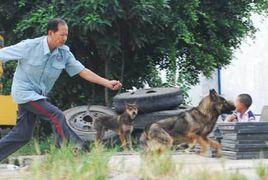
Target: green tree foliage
x,y
127,40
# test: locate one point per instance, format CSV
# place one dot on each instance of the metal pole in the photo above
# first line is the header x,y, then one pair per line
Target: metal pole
x,y
1,62
219,80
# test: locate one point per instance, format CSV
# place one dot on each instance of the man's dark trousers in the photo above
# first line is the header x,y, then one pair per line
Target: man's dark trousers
x,y
23,131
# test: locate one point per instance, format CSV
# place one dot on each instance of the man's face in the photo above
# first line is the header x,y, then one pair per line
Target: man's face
x,y
59,37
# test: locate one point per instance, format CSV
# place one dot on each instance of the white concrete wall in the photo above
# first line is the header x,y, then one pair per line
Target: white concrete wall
x,y
248,72
197,92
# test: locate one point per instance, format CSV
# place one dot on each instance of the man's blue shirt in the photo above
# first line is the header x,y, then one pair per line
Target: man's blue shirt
x,y
38,68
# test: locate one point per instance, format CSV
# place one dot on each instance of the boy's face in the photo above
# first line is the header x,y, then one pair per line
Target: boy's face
x,y
240,107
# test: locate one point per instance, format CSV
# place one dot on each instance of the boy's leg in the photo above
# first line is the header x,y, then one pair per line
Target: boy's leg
x,y
48,111
20,134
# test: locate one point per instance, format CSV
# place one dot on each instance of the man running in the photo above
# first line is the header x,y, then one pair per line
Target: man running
x,y
40,62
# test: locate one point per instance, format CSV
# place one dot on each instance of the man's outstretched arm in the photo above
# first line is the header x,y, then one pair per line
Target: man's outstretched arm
x,y
15,52
94,78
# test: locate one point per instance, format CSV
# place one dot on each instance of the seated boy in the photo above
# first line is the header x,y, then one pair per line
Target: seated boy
x,y
242,112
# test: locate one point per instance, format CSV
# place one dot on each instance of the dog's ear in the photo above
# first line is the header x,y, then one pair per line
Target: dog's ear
x,y
212,91
125,105
135,104
213,94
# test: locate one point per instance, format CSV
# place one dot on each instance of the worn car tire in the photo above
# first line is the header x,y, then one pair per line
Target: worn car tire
x,y
149,100
80,120
143,119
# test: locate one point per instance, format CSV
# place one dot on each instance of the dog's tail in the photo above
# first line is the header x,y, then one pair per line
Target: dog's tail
x,y
143,141
147,127
144,136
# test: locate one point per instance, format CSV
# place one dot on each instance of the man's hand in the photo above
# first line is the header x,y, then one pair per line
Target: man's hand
x,y
92,77
114,85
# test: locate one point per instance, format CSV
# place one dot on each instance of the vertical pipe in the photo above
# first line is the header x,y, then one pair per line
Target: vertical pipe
x,y
1,62
219,80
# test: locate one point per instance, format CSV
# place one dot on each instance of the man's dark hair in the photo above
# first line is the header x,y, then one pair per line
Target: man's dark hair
x,y
245,99
52,24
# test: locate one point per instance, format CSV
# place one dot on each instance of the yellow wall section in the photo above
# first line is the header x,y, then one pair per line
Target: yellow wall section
x,y
8,110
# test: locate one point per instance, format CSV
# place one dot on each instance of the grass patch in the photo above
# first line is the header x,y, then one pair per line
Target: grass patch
x,y
155,166
262,171
35,148
64,163
215,175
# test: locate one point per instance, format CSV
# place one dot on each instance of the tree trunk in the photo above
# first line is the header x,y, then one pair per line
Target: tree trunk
x,y
122,67
106,91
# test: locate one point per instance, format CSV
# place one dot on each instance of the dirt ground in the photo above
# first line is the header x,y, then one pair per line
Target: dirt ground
x,y
127,166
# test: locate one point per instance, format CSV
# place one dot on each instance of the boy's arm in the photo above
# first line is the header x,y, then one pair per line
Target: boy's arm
x,y
231,118
251,116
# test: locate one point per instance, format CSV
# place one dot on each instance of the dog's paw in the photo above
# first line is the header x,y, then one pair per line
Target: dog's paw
x,y
204,154
218,154
187,151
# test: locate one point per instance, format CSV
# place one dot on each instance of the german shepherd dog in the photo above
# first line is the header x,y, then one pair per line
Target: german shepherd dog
x,y
121,124
191,126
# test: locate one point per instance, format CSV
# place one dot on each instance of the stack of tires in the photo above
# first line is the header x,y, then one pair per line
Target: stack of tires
x,y
154,104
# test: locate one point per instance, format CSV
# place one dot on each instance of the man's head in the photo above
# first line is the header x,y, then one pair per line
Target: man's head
x,y
243,102
57,31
